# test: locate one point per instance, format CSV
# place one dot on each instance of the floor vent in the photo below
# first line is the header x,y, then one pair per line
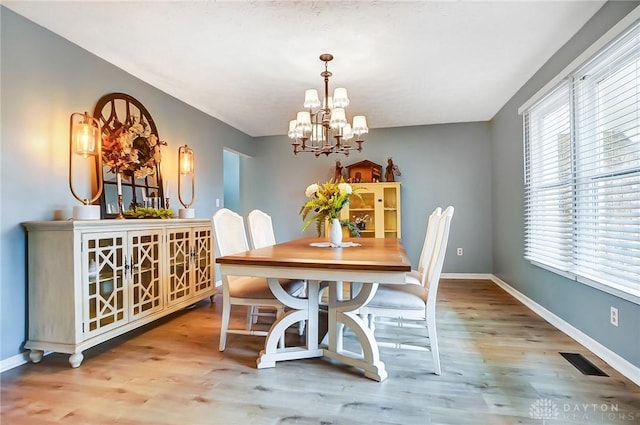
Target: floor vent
x,y
583,365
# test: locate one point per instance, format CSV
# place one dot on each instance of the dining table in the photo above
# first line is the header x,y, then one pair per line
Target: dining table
x,y
367,261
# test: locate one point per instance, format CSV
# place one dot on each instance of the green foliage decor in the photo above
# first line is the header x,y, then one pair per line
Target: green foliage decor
x,y
143,212
325,203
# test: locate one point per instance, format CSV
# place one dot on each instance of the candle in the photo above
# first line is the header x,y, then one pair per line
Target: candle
x,y
119,183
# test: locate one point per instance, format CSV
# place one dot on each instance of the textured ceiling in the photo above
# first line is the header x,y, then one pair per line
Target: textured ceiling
x,y
248,63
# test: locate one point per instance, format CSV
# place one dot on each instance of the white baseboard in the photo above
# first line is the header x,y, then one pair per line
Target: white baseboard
x,y
614,360
15,361
487,276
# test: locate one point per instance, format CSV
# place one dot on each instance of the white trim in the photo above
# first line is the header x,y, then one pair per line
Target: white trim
x,y
611,288
584,57
472,276
14,361
614,360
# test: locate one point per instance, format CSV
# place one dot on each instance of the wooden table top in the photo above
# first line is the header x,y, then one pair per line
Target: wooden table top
x,y
386,254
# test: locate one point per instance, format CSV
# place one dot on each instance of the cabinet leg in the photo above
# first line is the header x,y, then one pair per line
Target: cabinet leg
x,y
36,355
212,299
75,359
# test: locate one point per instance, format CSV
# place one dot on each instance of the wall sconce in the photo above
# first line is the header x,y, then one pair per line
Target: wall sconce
x,y
85,140
185,168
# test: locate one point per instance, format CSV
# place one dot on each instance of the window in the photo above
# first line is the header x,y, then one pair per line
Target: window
x,y
582,171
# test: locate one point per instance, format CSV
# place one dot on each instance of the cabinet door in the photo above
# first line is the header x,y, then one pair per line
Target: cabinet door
x,y
362,211
145,270
179,259
202,259
104,282
391,211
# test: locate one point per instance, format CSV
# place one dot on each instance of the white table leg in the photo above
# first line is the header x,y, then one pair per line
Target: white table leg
x,y
301,309
341,313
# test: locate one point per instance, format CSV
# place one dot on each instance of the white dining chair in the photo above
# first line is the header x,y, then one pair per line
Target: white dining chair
x,y
415,301
231,238
262,235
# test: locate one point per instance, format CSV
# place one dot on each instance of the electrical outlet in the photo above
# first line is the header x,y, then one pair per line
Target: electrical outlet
x,y
459,251
614,316
217,202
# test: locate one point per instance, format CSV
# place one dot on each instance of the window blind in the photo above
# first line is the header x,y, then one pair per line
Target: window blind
x,y
582,170
548,181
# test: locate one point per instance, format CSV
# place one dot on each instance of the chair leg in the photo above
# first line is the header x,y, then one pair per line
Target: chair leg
x,y
226,313
301,325
433,341
252,316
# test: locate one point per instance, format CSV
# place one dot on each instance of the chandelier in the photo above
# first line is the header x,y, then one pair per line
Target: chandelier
x,y
325,130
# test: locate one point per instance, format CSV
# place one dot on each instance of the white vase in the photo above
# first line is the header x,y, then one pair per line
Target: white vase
x,y
335,232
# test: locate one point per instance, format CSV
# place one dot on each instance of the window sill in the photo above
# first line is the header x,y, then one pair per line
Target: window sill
x,y
627,294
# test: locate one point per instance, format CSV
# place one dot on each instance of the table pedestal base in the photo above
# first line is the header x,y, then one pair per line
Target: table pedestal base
x,y
341,313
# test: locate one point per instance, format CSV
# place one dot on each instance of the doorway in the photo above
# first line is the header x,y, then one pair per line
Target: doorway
x,y
231,180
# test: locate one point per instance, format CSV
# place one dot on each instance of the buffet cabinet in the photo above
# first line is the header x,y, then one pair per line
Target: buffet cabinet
x,y
90,281
377,211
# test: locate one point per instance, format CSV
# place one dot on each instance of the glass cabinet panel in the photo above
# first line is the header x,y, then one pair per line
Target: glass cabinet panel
x,y
145,272
363,213
377,214
203,254
104,277
179,253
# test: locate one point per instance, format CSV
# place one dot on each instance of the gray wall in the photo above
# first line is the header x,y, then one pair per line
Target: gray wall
x,y
45,79
441,165
582,306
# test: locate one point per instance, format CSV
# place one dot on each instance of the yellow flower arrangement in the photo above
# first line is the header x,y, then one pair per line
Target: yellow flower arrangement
x,y
132,150
327,200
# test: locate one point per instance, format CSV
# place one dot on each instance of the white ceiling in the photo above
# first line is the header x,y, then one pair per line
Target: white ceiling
x,y
248,63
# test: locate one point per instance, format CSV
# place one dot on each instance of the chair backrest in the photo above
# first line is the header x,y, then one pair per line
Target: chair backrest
x,y
228,229
437,261
260,229
429,242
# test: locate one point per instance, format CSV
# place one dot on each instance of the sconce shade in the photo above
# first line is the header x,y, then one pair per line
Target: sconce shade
x,y
85,140
186,160
85,134
186,169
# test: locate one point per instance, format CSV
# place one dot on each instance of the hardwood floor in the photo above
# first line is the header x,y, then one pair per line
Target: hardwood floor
x,y
500,366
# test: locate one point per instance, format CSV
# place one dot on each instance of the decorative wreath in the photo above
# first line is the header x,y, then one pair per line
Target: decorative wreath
x,y
132,151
